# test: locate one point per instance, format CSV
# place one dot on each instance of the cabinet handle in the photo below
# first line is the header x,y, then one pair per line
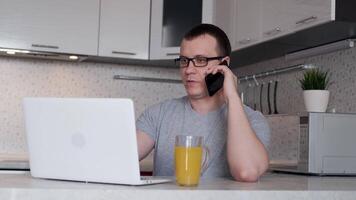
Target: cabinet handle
x,y
306,20
245,41
172,54
45,46
272,32
123,53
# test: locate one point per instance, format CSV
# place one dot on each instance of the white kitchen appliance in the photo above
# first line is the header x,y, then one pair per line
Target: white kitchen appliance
x,y
327,145
83,139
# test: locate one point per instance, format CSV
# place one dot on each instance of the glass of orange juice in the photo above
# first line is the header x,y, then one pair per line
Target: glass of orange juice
x,y
188,153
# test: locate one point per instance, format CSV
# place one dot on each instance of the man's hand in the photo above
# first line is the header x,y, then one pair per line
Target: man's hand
x,y
230,80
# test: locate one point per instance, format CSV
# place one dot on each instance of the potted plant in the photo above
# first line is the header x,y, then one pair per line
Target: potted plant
x,y
315,83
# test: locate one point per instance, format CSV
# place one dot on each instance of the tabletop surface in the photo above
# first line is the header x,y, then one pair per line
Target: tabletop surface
x,y
271,185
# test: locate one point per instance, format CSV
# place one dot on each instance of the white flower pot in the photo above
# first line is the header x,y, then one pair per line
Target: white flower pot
x,y
316,100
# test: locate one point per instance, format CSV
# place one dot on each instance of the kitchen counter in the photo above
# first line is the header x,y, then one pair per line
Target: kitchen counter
x,y
14,161
271,186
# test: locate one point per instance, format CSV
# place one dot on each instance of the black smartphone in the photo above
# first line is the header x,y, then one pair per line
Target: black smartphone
x,y
214,82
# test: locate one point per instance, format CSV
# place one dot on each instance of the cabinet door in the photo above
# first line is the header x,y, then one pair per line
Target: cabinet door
x,y
307,13
224,16
55,25
124,28
170,20
274,19
247,23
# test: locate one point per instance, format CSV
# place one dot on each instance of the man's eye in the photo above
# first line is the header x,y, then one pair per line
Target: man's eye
x,y
183,60
200,60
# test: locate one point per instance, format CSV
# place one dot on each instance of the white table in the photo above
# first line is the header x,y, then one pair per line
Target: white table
x,y
270,186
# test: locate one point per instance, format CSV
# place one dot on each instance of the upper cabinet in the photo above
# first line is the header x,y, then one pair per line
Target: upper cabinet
x,y
306,13
224,17
258,21
274,15
170,20
55,25
282,17
124,29
149,29
153,29
247,26
131,29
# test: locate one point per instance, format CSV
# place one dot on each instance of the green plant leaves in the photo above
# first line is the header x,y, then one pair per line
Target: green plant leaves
x,y
315,79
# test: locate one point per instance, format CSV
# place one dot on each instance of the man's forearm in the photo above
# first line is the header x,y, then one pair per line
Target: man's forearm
x,y
246,155
145,144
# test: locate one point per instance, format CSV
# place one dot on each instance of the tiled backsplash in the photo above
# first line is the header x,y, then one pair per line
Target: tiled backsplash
x,y
29,77
341,64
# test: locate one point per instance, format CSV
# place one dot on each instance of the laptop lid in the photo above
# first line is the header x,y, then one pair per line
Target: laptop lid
x,y
82,139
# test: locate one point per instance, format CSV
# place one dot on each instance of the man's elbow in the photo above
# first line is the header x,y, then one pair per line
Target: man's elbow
x,y
248,175
245,175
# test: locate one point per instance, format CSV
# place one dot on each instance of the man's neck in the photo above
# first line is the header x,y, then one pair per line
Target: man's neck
x,y
207,104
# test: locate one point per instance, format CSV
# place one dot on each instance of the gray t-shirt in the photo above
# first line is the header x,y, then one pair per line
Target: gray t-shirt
x,y
173,117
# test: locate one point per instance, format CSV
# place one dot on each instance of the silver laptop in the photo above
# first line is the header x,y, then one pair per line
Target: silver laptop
x,y
83,139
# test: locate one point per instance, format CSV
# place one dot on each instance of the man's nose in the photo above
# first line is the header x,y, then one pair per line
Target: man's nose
x,y
190,67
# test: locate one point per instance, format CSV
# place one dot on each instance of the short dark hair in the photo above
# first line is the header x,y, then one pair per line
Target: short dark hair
x,y
222,40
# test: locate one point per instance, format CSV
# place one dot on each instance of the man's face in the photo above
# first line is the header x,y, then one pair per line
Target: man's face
x,y
194,77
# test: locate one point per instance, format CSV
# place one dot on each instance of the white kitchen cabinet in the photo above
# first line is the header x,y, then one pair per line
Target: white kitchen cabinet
x,y
247,25
54,26
258,21
274,19
124,29
306,13
224,17
171,19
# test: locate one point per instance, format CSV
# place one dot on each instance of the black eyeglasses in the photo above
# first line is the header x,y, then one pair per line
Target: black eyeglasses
x,y
198,61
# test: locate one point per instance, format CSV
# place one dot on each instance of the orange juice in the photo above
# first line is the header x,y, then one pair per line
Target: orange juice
x,y
187,165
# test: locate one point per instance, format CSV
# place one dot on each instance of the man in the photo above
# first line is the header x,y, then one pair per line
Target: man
x,y
229,128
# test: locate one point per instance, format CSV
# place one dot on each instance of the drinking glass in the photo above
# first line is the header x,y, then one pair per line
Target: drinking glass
x,y
188,154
